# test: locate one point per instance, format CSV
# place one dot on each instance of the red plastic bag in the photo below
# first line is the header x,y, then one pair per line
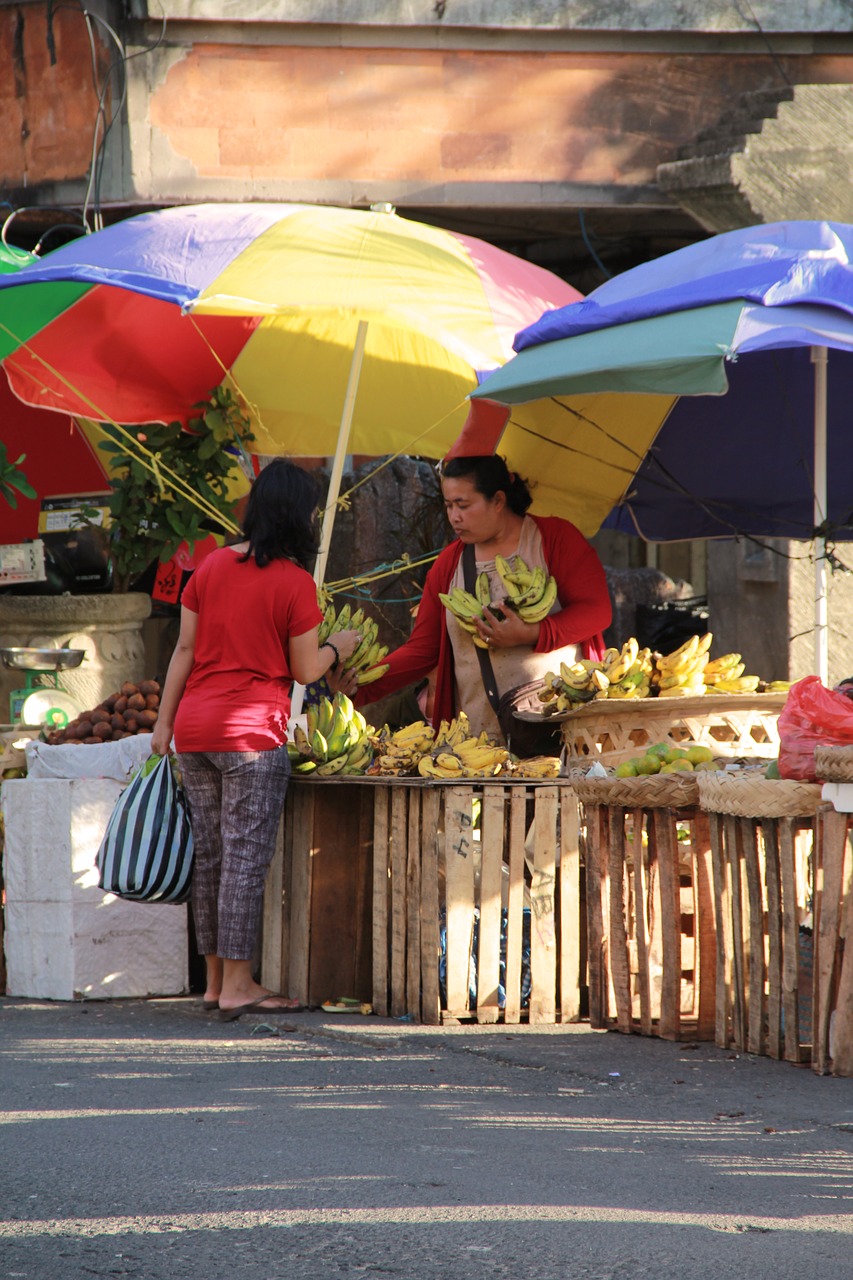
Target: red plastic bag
x,y
812,716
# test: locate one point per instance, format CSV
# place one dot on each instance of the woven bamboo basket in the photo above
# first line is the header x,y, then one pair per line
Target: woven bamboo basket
x,y
834,764
732,725
756,797
654,791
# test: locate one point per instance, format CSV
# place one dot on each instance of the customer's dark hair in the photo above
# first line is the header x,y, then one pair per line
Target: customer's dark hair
x,y
490,475
279,518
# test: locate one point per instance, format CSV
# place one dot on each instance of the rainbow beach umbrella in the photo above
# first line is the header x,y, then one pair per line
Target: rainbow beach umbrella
x,y
343,330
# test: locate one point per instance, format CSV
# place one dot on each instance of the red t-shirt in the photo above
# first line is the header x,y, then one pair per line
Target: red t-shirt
x,y
237,697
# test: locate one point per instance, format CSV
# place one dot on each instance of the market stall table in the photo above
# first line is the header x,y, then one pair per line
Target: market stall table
x,y
422,869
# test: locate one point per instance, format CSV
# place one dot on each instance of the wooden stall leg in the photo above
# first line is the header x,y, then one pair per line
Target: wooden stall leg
x,y
723,918
827,890
413,906
459,888
619,968
399,861
842,1030
704,928
666,842
641,922
790,939
734,858
515,903
273,927
570,907
380,901
492,825
772,873
596,858
303,798
543,924
752,869
429,921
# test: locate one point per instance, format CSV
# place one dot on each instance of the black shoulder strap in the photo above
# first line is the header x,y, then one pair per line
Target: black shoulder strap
x,y
469,572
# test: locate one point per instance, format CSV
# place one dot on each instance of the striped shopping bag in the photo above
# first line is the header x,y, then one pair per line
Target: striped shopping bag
x,y
147,851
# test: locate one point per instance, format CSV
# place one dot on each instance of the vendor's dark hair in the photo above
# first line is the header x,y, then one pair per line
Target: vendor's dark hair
x,y
279,519
490,475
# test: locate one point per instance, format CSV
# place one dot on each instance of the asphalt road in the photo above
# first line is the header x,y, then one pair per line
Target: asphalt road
x,y
149,1140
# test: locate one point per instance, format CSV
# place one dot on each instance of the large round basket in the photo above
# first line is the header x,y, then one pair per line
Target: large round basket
x,y
756,797
655,791
733,725
834,764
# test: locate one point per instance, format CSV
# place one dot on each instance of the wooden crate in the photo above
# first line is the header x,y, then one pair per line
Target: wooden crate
x,y
731,724
317,916
428,865
650,913
761,844
365,872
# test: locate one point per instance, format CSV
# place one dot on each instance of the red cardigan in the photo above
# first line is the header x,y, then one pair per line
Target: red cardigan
x,y
581,589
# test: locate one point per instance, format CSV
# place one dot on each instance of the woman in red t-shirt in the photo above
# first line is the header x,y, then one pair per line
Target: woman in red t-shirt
x,y
249,620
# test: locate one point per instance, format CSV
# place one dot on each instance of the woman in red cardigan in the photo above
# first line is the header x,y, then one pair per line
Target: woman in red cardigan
x,y
487,507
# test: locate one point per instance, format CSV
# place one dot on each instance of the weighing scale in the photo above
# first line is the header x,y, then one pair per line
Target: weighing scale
x,y
42,701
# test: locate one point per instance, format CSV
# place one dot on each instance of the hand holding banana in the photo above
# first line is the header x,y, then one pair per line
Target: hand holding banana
x,y
509,631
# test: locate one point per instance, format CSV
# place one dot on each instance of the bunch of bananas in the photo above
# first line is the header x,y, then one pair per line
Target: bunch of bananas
x,y
530,592
338,739
537,767
465,608
366,660
455,753
681,674
621,673
397,755
725,675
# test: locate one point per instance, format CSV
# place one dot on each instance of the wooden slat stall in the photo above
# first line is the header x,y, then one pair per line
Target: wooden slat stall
x,y
424,898
650,916
477,880
762,831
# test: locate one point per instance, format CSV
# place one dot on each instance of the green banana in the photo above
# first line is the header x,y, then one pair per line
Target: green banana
x,y
319,745
483,589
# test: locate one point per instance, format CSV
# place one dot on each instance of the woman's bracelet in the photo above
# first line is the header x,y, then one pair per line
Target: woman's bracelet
x,y
327,644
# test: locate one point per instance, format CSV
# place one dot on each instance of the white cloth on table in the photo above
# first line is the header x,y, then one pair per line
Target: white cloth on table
x,y
115,760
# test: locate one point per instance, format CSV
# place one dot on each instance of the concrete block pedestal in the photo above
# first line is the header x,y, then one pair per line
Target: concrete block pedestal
x,y
65,938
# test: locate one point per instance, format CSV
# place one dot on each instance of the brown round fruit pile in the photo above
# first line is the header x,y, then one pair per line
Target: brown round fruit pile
x,y
130,711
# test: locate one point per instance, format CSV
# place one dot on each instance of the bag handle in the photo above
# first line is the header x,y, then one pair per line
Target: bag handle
x,y
469,573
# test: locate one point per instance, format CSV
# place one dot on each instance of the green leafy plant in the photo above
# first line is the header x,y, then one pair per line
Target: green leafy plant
x,y
12,478
151,514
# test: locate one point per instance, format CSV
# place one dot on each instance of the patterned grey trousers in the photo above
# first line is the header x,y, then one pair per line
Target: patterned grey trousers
x,y
235,799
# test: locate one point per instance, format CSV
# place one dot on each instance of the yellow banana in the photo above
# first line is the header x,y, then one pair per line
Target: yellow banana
x,y
683,691
599,681
741,684
301,741
319,746
450,763
539,767
536,612
374,673
331,767
685,653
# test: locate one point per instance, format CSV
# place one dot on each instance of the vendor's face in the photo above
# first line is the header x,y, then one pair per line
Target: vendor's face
x,y
473,517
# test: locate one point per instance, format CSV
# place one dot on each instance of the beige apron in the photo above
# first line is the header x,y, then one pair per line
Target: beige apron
x,y
512,667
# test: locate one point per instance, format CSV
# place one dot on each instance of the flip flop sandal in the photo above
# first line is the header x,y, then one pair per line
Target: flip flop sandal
x,y
231,1015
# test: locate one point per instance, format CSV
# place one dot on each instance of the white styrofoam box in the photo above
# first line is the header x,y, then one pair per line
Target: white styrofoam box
x,y
65,937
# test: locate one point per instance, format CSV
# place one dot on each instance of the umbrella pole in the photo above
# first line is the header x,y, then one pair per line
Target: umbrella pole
x,y
298,695
819,360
